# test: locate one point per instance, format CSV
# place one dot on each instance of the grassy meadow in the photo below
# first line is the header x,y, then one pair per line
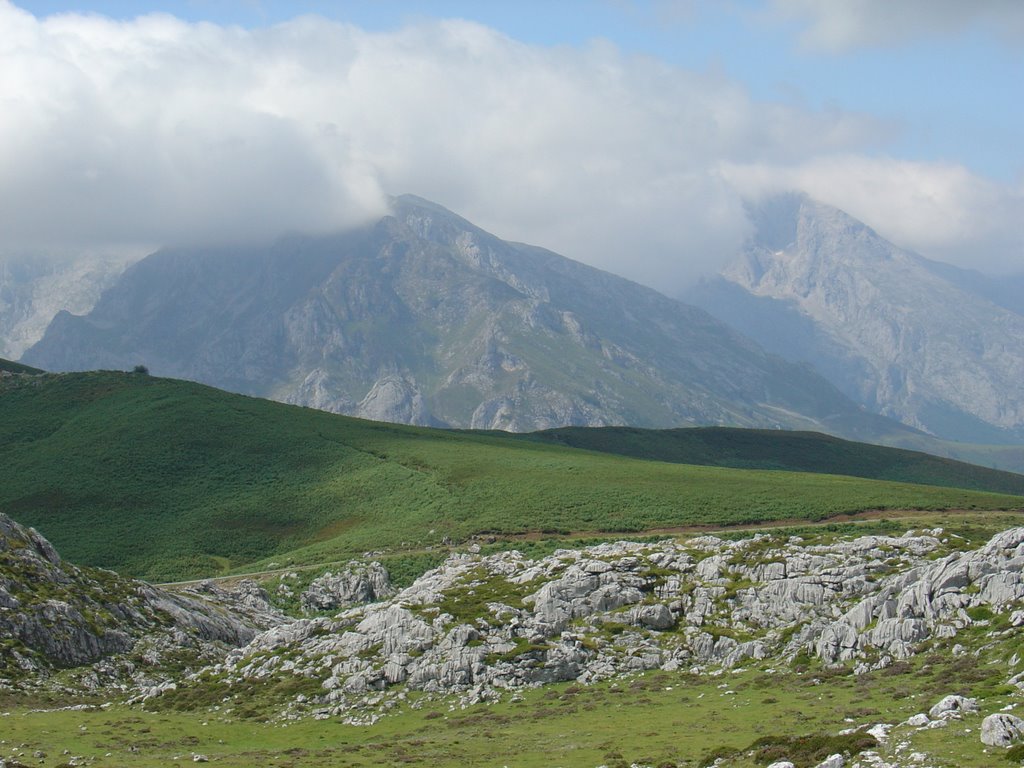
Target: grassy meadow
x,y
11,367
167,479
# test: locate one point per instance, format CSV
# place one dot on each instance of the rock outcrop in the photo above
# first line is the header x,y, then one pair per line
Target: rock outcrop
x,y
357,583
56,615
478,625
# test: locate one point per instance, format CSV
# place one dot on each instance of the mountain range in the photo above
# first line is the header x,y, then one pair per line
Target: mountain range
x,y
425,319
934,346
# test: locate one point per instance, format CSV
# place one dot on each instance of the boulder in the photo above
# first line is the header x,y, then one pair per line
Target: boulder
x,y
656,616
952,707
1001,730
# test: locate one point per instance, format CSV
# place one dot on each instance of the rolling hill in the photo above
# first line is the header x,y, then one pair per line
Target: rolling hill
x,y
12,367
778,449
163,478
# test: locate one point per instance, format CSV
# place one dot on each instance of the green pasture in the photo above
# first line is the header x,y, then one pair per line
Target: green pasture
x,y
167,479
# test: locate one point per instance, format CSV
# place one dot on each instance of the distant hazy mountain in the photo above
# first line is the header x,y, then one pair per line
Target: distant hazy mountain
x,y
1006,291
35,288
423,318
939,348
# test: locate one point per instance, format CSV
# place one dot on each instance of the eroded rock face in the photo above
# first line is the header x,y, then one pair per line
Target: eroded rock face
x,y
358,583
56,615
245,599
34,288
481,624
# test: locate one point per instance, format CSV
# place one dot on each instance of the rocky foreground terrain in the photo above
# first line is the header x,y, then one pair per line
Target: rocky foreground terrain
x,y
481,625
484,627
90,628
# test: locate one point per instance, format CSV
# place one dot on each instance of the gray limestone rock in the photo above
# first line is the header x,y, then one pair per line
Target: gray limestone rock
x,y
396,399
842,601
656,616
34,288
1001,730
358,583
244,598
952,707
583,615
58,615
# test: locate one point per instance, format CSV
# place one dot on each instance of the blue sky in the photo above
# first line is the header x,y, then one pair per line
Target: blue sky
x,y
909,115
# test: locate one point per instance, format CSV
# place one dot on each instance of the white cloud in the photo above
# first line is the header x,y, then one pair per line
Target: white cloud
x,y
155,130
940,210
842,25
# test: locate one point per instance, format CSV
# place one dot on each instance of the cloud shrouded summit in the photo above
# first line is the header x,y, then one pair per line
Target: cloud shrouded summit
x,y
158,131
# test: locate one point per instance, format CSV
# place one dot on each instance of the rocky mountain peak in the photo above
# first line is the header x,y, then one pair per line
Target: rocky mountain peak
x,y
887,327
799,244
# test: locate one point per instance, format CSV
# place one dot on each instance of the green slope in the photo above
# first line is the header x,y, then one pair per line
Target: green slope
x,y
775,449
164,478
1004,457
12,367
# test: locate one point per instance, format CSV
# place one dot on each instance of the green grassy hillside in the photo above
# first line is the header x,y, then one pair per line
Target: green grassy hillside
x,y
775,449
164,478
12,367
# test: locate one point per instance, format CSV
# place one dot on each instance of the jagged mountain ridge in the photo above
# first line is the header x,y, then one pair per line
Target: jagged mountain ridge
x,y
424,318
907,337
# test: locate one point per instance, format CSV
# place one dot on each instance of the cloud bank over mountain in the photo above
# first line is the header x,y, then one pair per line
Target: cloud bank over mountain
x,y
158,131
